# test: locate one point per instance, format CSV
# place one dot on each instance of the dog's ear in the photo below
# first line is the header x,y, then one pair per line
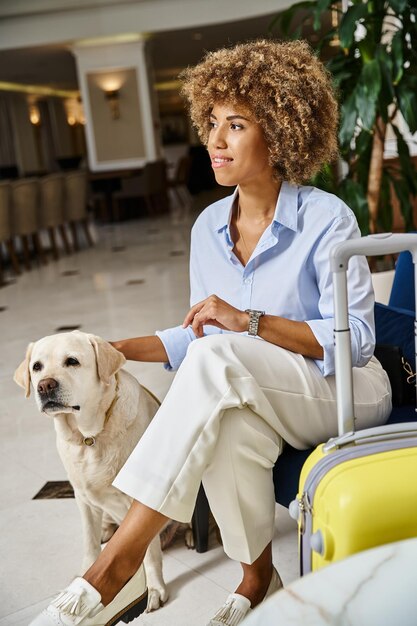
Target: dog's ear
x,y
22,374
109,360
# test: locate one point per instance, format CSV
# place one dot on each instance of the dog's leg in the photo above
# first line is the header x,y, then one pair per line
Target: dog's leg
x,y
157,590
91,518
108,527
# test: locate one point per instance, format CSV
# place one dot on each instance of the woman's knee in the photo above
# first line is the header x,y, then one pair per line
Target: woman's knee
x,y
203,347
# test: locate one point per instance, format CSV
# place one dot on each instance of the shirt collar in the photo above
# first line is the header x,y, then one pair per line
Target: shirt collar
x,y
286,210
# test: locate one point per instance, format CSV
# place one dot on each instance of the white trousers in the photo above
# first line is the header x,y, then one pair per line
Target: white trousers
x,y
232,404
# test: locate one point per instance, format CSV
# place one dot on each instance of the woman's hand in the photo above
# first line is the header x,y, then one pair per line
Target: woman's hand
x,y
214,311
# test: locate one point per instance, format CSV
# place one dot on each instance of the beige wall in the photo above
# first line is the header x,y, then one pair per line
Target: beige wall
x,y
120,138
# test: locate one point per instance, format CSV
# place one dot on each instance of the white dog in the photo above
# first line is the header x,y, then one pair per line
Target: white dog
x,y
100,412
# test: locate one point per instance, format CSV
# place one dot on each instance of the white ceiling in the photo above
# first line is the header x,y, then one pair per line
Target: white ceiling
x,y
170,50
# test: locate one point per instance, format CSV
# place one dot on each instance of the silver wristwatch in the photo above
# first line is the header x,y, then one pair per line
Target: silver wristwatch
x,y
254,317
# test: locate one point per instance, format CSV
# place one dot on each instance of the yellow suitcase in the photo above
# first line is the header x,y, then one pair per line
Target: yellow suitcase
x,y
359,490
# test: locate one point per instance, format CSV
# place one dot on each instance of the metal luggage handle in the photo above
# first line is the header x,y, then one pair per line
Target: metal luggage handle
x,y
368,435
340,254
372,245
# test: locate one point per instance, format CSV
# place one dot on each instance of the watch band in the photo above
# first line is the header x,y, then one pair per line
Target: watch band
x,y
254,317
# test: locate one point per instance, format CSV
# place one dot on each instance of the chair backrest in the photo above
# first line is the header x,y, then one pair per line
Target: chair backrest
x,y
51,200
156,177
151,181
75,195
182,171
5,212
25,206
136,185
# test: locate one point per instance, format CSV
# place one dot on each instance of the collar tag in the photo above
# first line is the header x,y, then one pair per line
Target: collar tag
x,y
89,441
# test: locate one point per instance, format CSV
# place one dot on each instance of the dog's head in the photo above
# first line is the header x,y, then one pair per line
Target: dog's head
x,y
68,371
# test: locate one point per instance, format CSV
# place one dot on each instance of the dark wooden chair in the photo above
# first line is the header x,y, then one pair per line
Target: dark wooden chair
x,y
52,210
75,213
25,218
6,231
150,185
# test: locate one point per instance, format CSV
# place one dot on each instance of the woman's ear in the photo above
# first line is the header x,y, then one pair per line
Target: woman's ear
x,y
108,359
22,374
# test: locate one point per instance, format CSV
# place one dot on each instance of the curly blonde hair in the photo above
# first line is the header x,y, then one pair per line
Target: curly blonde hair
x,y
288,91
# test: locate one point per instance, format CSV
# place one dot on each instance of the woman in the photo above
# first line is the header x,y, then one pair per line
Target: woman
x,y
255,351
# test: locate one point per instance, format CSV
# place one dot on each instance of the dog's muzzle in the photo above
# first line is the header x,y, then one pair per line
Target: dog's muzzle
x,y
48,391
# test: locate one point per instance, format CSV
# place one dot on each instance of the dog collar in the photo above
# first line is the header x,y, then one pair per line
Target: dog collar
x,y
90,440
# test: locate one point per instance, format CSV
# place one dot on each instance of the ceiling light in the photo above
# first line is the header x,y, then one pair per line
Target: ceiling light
x,y
113,39
40,90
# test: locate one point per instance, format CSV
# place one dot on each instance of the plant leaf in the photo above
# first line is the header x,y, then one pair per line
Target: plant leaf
x,y
371,78
363,141
321,6
366,107
349,116
387,93
403,194
407,101
399,6
385,210
325,179
397,56
407,165
367,93
353,194
343,67
348,24
284,19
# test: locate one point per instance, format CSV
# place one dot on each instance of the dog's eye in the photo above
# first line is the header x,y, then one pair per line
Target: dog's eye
x,y
71,361
37,366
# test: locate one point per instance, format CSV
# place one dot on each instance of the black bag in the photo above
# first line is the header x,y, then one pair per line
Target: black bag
x,y
400,374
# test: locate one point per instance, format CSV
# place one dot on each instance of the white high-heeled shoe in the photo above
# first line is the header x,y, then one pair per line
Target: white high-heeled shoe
x,y
237,607
80,605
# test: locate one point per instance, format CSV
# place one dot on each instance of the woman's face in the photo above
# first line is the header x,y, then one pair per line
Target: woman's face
x,y
237,146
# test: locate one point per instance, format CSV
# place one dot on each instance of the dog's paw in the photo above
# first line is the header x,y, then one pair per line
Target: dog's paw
x,y
156,598
189,539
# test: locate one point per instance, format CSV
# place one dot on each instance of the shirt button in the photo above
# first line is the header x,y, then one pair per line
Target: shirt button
x,y
247,281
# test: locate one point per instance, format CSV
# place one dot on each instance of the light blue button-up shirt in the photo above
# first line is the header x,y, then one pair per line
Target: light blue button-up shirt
x,y
287,275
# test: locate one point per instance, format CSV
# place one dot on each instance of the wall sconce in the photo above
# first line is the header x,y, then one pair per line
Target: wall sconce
x,y
34,115
113,98
74,111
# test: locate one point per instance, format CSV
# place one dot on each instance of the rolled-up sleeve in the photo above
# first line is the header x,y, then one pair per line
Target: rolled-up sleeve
x,y
176,341
360,298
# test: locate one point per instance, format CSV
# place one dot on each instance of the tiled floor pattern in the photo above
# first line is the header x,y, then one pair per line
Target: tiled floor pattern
x,y
141,288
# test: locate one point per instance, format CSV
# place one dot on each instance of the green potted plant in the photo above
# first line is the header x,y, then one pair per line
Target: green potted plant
x,y
373,58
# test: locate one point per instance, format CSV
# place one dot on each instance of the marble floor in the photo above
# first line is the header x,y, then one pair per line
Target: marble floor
x,y
132,282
